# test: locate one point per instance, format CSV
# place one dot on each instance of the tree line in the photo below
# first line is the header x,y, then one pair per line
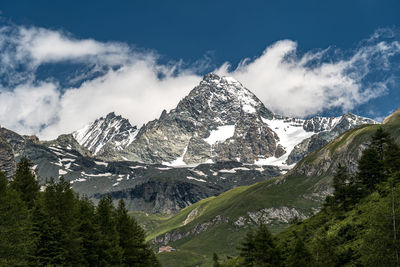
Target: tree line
x,y
56,227
357,226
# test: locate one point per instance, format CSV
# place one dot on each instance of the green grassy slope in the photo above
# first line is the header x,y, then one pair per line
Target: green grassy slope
x,y
222,237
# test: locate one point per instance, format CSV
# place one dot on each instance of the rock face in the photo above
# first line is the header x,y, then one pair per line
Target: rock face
x,y
328,131
144,187
218,120
7,161
106,135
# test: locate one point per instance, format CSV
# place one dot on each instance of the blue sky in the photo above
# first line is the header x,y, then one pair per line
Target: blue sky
x,y
340,55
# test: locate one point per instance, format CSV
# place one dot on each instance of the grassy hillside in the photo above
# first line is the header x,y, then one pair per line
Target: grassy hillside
x,y
219,214
218,224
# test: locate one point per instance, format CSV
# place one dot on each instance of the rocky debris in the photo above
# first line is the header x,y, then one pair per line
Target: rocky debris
x,y
191,216
197,229
269,215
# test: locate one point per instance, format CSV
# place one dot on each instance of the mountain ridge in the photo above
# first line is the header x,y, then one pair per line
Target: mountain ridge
x,y
221,120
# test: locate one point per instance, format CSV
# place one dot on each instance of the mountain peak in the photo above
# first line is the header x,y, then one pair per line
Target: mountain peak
x,y
218,80
112,130
111,115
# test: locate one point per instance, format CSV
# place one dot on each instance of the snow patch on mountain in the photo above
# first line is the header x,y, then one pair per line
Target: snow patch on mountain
x,y
290,133
178,162
221,134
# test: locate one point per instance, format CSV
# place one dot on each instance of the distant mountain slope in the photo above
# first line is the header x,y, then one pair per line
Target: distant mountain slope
x,y
144,187
218,224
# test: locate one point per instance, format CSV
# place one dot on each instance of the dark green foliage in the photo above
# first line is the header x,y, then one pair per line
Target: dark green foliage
x,y
259,249
359,225
56,228
347,191
25,183
49,237
370,169
381,245
15,236
300,255
215,260
135,252
380,140
323,249
109,249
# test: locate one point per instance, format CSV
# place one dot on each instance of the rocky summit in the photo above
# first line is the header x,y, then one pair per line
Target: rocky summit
x,y
220,120
106,135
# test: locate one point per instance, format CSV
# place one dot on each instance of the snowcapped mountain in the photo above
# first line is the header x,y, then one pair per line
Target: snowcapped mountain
x,y
300,137
106,135
219,120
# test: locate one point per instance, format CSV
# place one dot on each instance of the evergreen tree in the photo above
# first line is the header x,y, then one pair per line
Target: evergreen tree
x,y
391,159
299,256
259,249
341,181
62,206
247,248
215,260
25,183
323,250
346,190
371,170
89,232
15,227
380,244
109,251
379,141
132,240
49,238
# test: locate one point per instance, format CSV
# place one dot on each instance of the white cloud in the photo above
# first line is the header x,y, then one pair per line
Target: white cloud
x,y
299,86
45,46
29,108
133,91
286,82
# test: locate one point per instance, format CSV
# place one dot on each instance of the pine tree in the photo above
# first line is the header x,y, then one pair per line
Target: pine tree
x,y
215,260
340,184
247,249
132,240
49,238
266,252
300,255
391,159
61,204
89,232
379,141
259,249
323,250
381,244
371,170
110,253
25,183
15,227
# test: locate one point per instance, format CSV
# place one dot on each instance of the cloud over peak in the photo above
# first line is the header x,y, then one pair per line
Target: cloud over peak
x,y
135,85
